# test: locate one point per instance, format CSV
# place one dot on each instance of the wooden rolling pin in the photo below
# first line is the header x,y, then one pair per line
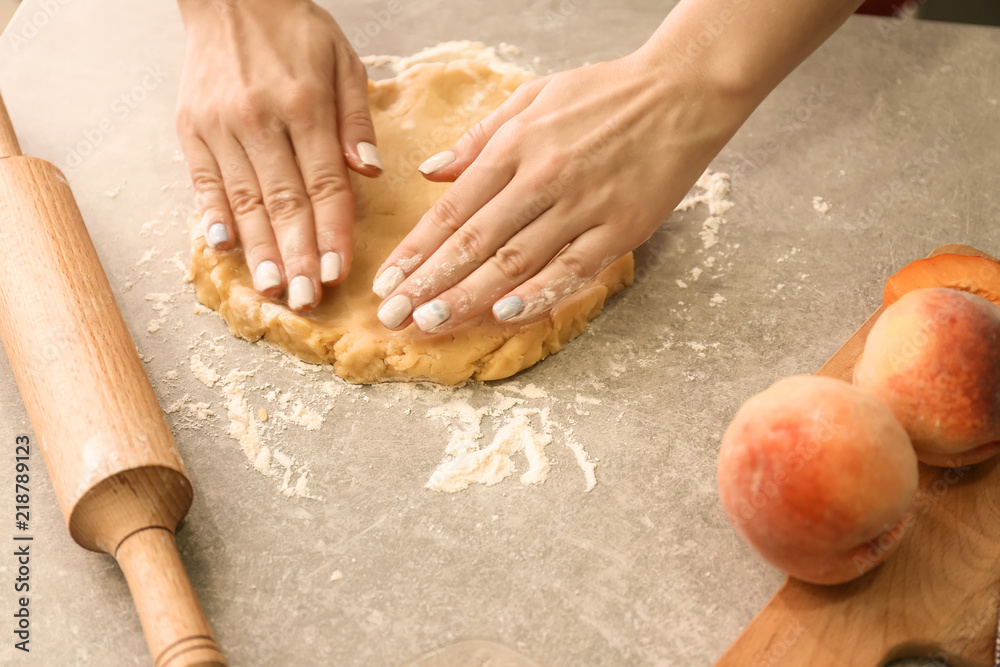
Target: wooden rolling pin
x,y
114,465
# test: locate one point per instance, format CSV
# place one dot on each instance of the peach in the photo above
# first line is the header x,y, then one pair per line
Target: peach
x,y
934,358
817,476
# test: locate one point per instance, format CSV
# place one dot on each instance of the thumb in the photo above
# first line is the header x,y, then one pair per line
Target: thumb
x,y
449,165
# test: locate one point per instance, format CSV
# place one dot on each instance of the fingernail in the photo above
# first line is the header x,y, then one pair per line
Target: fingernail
x,y
329,267
435,162
217,235
266,276
388,281
300,292
506,308
369,155
394,311
431,314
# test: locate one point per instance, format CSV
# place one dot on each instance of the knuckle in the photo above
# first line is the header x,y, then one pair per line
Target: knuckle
x,y
250,109
509,134
205,181
552,163
445,215
461,298
512,262
284,203
355,67
477,134
577,267
184,120
300,104
327,183
244,200
302,95
470,244
356,118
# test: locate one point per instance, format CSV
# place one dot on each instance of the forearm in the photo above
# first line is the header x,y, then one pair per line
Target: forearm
x,y
193,11
742,49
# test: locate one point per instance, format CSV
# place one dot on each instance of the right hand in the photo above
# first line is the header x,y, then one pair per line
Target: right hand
x,y
272,111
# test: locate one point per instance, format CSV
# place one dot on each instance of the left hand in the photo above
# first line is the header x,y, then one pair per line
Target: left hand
x,y
573,171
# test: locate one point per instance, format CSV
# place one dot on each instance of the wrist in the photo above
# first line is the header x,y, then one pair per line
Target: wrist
x,y
705,63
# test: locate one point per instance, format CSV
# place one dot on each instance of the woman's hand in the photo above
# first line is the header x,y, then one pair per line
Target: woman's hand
x,y
272,111
569,174
576,169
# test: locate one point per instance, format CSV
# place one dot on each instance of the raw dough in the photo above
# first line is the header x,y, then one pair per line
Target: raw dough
x,y
416,114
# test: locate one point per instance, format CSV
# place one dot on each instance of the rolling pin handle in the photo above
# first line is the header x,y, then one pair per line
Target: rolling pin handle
x,y
172,619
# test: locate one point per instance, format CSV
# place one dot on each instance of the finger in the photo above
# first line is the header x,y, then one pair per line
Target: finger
x,y
290,211
574,267
247,205
452,210
490,237
328,185
517,260
209,194
354,121
448,165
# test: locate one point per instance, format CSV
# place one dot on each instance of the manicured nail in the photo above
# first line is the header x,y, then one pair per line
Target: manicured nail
x,y
435,162
217,235
394,311
300,292
369,155
388,281
329,267
431,314
506,308
266,276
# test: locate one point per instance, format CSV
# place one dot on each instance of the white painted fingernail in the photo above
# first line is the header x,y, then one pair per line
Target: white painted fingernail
x,y
266,276
435,162
217,235
431,314
388,281
394,311
369,155
329,267
300,292
504,309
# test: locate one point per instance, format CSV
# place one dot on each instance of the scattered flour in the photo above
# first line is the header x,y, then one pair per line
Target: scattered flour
x,y
821,207
242,427
467,461
713,186
205,374
115,191
160,303
152,227
471,464
148,257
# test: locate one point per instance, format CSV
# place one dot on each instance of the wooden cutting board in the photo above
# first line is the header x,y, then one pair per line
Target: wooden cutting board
x,y
936,597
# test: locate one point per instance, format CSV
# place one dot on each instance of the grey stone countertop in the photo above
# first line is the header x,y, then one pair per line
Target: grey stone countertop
x,y
895,124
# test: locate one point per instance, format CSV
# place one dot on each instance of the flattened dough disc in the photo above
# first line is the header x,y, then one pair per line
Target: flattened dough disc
x,y
416,114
